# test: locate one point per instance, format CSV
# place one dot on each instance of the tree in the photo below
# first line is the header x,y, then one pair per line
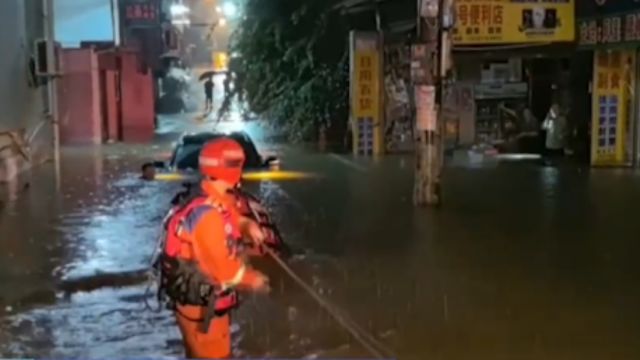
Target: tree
x,y
292,65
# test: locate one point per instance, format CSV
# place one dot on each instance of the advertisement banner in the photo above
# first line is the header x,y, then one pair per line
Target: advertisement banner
x,y
366,100
366,94
612,84
513,21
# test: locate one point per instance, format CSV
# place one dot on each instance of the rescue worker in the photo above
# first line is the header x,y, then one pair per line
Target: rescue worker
x,y
250,209
201,267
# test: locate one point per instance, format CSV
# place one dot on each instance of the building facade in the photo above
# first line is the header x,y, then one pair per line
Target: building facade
x,y
609,34
25,133
512,61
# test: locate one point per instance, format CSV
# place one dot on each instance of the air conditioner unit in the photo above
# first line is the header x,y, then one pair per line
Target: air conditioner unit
x,y
41,62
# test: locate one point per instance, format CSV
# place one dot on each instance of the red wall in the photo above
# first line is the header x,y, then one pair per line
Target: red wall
x,y
105,97
137,100
79,98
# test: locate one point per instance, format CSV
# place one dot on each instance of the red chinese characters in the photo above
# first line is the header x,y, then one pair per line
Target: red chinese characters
x,y
615,81
603,81
463,15
485,15
141,12
474,15
365,83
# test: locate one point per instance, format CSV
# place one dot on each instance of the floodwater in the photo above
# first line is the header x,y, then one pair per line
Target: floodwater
x,y
521,262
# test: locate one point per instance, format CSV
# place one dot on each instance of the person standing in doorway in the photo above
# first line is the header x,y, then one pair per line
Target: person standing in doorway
x,y
554,126
208,94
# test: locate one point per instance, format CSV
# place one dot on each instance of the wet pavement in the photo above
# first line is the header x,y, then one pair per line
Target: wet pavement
x,y
521,262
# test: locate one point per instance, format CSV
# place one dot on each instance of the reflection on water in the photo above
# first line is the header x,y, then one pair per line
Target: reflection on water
x,y
523,262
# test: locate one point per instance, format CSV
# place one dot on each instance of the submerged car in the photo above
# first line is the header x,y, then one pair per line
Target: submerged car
x,y
186,152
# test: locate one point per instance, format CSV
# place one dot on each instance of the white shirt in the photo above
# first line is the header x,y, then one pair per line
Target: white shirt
x,y
554,124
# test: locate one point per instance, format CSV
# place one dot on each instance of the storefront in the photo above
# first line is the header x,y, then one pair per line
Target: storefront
x,y
610,31
498,44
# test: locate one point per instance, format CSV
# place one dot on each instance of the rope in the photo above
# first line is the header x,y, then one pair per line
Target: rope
x,y
152,277
365,339
356,331
362,336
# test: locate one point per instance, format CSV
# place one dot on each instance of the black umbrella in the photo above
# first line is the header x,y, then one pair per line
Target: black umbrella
x,y
207,74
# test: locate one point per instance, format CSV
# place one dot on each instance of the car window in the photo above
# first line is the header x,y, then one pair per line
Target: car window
x,y
186,156
250,151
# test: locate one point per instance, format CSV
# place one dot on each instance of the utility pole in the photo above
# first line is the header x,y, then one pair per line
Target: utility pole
x,y
115,21
431,61
52,83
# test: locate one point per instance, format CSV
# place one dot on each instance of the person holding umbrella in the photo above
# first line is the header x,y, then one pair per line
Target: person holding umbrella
x,y
208,94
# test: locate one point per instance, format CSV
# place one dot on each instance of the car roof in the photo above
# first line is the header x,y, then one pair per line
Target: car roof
x,y
203,137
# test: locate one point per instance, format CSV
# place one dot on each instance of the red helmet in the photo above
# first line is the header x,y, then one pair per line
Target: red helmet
x,y
222,159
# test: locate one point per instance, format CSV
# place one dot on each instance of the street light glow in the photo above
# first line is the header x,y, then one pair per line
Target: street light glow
x,y
222,22
218,9
229,9
178,9
181,22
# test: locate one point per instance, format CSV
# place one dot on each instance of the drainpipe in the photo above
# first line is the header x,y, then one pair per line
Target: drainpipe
x,y
52,83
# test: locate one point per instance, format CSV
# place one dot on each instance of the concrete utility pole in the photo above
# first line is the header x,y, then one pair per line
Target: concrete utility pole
x,y
52,86
115,21
431,61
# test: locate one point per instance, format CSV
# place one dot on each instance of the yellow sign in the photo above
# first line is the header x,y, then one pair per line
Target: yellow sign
x,y
220,60
366,91
513,21
613,80
366,94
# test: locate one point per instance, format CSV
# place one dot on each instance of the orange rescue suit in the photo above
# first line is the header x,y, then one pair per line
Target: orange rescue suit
x,y
209,245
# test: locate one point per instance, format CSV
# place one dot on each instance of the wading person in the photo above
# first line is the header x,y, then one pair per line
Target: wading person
x,y
148,172
208,95
201,262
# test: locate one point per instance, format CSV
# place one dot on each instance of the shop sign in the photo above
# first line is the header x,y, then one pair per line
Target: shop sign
x,y
611,91
610,30
366,84
367,79
513,21
140,13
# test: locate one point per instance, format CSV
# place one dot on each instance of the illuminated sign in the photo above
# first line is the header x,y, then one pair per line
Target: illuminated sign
x,y
612,81
610,30
366,97
140,13
513,21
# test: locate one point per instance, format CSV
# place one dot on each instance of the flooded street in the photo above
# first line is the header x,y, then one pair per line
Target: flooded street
x,y
522,262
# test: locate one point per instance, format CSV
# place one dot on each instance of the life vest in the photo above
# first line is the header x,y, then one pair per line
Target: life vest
x,y
181,280
249,206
